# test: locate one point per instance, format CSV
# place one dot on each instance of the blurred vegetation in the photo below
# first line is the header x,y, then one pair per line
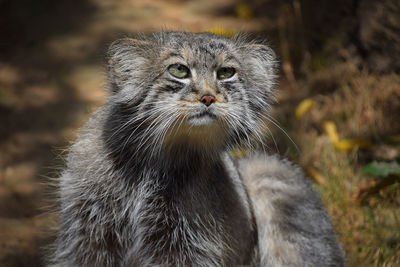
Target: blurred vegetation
x,y
342,106
339,100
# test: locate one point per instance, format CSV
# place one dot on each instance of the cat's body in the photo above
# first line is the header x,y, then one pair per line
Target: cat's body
x,y
150,181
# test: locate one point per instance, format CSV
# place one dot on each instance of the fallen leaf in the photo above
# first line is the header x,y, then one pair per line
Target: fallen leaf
x,y
305,106
344,144
349,144
315,175
330,129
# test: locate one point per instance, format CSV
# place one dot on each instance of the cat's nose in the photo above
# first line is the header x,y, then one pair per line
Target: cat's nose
x,y
207,99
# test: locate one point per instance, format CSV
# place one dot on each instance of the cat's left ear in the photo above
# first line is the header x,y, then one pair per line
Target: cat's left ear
x,y
262,60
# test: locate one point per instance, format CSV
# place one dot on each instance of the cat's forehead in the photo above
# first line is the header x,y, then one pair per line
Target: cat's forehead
x,y
200,46
196,40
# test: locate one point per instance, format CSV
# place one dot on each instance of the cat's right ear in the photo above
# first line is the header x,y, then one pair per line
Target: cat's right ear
x,y
127,59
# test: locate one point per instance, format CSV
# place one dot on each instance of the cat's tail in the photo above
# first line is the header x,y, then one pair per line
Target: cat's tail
x,y
293,227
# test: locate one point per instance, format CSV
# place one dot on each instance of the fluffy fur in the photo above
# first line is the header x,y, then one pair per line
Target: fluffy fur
x,y
150,180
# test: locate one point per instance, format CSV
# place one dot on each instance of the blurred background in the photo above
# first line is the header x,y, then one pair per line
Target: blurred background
x,y
339,100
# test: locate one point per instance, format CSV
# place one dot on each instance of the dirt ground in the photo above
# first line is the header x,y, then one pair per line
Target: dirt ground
x,y
51,79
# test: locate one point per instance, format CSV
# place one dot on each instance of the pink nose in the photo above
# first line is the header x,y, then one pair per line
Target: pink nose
x,y
207,99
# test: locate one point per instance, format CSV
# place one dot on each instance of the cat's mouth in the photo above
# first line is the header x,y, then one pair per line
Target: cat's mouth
x,y
204,113
205,117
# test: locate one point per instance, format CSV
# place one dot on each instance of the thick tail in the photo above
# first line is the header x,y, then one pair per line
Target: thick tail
x,y
293,227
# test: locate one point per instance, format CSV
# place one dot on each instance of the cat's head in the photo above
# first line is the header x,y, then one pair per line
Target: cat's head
x,y
197,89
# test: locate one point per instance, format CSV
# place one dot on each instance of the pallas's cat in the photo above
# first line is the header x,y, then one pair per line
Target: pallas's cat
x,y
150,181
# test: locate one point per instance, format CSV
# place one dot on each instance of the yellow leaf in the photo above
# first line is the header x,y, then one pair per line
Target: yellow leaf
x,y
345,144
349,144
315,175
330,129
305,106
244,11
223,31
239,153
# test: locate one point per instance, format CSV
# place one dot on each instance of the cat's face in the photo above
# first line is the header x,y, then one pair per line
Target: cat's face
x,y
195,88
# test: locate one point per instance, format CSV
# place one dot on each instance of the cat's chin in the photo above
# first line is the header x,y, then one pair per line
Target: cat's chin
x,y
200,131
203,121
204,118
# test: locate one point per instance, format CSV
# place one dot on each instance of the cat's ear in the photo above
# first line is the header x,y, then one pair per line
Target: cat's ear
x,y
127,59
262,61
127,45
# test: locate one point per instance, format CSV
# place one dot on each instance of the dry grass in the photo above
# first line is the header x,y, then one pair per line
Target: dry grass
x,y
362,105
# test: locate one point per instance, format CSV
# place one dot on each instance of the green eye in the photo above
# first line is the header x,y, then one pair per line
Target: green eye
x,y
225,73
179,71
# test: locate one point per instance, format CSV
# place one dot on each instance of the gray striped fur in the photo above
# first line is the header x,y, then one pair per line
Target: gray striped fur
x,y
150,180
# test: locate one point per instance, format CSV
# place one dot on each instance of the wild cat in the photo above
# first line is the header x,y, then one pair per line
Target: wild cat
x,y
150,181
